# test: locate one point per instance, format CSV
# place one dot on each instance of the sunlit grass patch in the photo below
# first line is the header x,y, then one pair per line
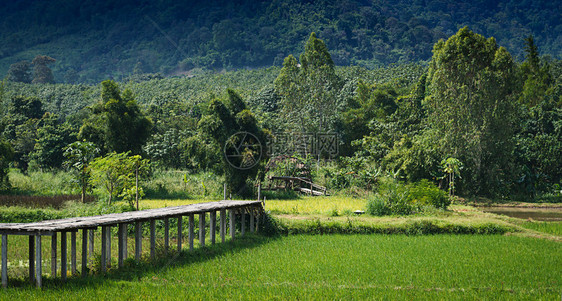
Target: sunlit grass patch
x,y
330,205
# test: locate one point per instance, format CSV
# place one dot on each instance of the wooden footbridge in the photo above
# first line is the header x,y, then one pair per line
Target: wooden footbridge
x,y
59,228
304,185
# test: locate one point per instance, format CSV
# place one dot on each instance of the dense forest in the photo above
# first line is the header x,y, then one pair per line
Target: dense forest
x,y
474,121
90,41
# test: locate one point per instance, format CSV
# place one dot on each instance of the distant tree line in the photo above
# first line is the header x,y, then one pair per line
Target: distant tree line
x,y
474,121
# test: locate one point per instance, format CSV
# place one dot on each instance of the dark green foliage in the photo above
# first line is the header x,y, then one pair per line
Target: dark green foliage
x,y
396,198
118,124
6,156
220,131
471,104
203,34
20,72
42,74
422,227
20,127
78,156
52,137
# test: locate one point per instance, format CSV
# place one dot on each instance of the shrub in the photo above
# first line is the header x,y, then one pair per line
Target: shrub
x,y
377,206
425,193
393,197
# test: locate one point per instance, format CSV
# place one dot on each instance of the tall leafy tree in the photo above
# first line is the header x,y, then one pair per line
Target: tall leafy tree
x,y
20,127
6,156
309,90
117,123
52,137
471,105
536,76
42,74
20,72
78,156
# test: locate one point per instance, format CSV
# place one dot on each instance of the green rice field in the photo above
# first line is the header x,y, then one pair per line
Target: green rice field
x,y
448,267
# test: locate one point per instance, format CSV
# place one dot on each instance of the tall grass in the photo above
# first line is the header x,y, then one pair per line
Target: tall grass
x,y
174,184
42,183
554,228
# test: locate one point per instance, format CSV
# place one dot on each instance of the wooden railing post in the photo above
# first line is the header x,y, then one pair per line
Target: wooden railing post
x,y
191,231
138,240
63,253
84,252
31,259
202,229
223,225
232,224
103,249
179,232
152,239
166,234
73,252
38,272
212,225
4,260
54,255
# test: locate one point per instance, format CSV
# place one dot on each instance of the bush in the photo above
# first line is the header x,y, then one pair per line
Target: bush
x,y
425,193
377,206
393,197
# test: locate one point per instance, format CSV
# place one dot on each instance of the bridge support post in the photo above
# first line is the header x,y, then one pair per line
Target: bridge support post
x,y
191,231
63,253
179,232
212,225
232,224
223,225
202,229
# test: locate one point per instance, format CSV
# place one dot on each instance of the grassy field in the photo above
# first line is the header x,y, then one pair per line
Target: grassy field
x,y
334,267
523,265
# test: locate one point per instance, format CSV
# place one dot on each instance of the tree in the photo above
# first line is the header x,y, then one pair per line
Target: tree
x,y
117,123
110,173
536,76
78,156
52,137
470,103
218,132
20,127
309,91
451,167
6,156
42,74
20,72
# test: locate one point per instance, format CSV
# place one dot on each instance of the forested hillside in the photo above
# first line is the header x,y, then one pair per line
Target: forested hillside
x,y
95,40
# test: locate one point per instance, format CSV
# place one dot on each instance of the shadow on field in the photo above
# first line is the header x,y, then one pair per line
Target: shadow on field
x,y
134,271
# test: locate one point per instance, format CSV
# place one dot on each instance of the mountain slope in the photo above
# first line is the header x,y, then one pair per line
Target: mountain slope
x,y
103,39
